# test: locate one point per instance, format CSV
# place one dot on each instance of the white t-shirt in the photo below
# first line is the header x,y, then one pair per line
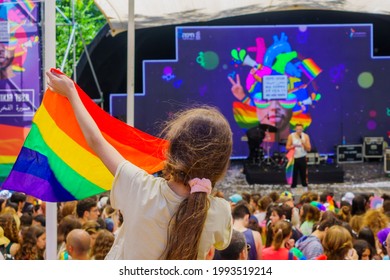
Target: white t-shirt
x,y
298,143
147,204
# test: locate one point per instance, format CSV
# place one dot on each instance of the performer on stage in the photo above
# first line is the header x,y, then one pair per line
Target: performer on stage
x,y
300,142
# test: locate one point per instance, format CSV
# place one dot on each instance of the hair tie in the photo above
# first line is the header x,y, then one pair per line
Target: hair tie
x,y
200,185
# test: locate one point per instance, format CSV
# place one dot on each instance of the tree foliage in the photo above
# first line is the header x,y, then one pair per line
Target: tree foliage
x,y
88,19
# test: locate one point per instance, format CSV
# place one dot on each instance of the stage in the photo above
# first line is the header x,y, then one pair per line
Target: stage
x,y
357,177
317,174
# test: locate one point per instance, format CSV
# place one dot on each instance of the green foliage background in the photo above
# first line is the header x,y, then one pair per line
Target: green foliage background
x,y
89,20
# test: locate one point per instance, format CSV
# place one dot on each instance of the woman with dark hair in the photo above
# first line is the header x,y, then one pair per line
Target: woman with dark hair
x,y
367,235
363,249
358,210
280,212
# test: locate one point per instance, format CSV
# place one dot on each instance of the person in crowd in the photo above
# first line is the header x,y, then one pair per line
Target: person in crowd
x,y
237,249
386,208
263,204
26,220
11,231
39,220
69,208
311,246
344,213
383,244
66,225
375,220
178,204
20,200
87,210
282,231
3,204
275,196
363,249
102,245
33,245
338,244
241,216
309,216
93,228
78,244
358,211
280,212
3,242
367,234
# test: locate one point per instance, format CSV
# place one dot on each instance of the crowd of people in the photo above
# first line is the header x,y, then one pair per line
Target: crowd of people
x,y
272,226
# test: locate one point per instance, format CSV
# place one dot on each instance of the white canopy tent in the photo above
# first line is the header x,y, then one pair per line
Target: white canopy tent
x,y
149,13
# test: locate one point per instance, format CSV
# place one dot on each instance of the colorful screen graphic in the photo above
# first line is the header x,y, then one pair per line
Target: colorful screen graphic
x,y
20,75
322,76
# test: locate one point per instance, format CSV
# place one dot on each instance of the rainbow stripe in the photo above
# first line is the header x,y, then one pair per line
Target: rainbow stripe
x,y
304,119
245,115
11,141
27,5
310,68
290,166
56,164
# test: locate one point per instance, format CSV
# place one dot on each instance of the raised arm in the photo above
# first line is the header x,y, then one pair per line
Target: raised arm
x,y
62,85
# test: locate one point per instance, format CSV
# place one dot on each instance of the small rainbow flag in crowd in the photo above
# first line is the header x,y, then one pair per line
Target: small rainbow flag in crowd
x,y
310,68
56,164
290,166
245,115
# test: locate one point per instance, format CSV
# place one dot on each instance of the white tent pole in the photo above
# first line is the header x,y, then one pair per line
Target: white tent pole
x,y
130,64
49,53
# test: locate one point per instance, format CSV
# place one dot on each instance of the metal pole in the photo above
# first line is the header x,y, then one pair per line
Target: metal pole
x,y
130,64
49,34
68,48
74,24
92,68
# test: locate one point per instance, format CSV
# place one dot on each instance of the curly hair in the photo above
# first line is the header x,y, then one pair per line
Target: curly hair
x,y
29,249
8,223
375,220
102,246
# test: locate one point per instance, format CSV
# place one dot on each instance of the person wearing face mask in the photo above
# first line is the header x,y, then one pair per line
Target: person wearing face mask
x,y
300,142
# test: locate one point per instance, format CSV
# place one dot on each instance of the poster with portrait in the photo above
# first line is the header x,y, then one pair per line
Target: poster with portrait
x,y
20,75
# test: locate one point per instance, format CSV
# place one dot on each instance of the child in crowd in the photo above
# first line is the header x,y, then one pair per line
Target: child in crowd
x,y
173,217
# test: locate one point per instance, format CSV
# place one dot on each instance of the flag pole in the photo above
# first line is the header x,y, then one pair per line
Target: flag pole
x,y
49,56
130,64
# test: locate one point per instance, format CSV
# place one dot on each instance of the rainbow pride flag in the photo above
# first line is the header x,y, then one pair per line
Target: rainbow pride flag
x,y
290,166
245,115
11,141
56,164
310,68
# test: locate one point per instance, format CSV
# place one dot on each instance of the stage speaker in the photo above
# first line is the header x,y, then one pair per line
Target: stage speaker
x,y
373,147
313,158
387,161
